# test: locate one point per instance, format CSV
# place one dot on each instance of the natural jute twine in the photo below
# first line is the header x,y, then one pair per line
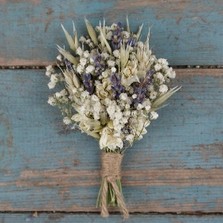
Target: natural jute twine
x,y
111,171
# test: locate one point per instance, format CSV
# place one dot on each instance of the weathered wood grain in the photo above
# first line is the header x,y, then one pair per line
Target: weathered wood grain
x,y
177,167
92,218
185,32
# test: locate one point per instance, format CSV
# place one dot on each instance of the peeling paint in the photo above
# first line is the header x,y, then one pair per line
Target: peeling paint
x,y
24,62
34,2
6,141
209,151
158,177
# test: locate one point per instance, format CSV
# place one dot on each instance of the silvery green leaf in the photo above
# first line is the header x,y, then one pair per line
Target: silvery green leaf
x,y
139,32
103,28
91,32
159,101
69,39
76,42
105,41
124,55
76,80
127,23
148,39
68,78
67,55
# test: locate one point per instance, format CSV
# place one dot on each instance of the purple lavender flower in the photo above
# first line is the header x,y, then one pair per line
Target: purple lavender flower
x,y
88,83
148,78
68,64
141,89
116,85
131,41
99,64
116,39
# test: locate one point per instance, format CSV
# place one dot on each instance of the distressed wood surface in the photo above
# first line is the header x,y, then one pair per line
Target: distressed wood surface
x,y
185,32
95,218
177,167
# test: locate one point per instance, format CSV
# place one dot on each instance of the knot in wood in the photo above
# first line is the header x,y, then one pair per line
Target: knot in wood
x,y
111,165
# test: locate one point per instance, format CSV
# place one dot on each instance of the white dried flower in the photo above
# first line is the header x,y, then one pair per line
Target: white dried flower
x,y
139,106
86,54
84,94
53,81
89,69
116,53
80,69
127,106
147,107
83,61
111,63
157,67
51,101
113,69
125,34
51,85
59,58
160,77
153,95
163,62
49,70
105,55
109,140
171,73
130,138
67,121
163,88
82,39
94,97
113,26
79,51
127,113
123,96
134,96
153,115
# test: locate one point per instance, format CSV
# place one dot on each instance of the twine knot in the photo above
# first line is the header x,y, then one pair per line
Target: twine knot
x,y
110,172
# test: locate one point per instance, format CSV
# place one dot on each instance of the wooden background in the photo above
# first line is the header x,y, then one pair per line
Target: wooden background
x,y
173,175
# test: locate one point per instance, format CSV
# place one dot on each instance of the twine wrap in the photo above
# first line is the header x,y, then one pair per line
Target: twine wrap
x,y
111,171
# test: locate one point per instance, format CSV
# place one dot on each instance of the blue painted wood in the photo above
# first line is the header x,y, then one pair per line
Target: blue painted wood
x,y
177,167
92,218
185,32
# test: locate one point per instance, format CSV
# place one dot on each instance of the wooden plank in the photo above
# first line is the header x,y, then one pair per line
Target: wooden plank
x,y
185,32
90,218
177,167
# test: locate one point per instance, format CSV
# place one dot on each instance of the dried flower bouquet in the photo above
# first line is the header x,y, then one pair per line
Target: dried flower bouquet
x,y
112,87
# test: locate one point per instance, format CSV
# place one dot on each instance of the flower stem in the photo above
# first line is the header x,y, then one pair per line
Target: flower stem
x,y
111,195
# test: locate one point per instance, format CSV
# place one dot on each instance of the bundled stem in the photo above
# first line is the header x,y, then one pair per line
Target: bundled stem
x,y
110,193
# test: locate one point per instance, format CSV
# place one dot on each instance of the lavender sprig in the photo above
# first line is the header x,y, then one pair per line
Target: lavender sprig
x,y
99,64
116,40
141,89
88,83
116,85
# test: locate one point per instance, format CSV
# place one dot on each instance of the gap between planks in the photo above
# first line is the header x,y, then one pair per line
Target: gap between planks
x,y
195,213
31,67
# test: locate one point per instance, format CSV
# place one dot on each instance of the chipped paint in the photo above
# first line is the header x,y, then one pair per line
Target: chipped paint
x,y
7,152
182,31
210,151
158,177
34,2
24,62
